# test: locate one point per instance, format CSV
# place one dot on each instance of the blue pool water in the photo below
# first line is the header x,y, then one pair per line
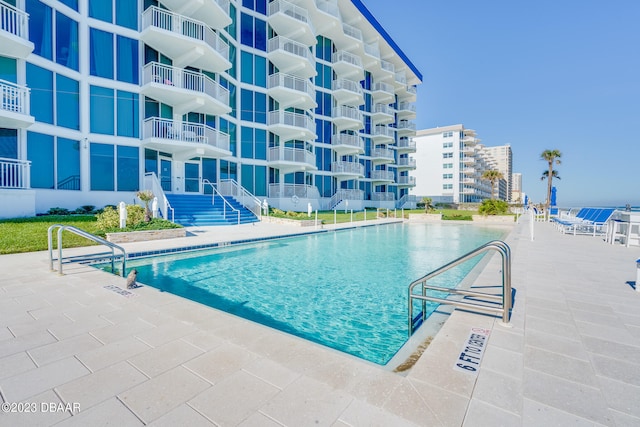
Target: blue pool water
x,y
346,289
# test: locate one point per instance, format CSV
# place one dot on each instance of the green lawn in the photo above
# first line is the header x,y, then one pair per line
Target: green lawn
x,y
328,216
30,234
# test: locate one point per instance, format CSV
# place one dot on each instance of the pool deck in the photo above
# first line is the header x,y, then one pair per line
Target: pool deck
x,y
570,357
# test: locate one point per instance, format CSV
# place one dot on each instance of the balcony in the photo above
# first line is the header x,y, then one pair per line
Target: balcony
x,y
291,57
346,117
408,93
382,114
382,134
214,13
406,110
406,181
349,39
382,155
468,171
371,55
327,19
289,125
186,41
343,170
348,65
382,93
344,144
380,176
291,21
292,91
405,163
406,128
468,160
383,197
187,91
14,106
400,80
406,145
184,140
347,92
15,174
289,159
14,32
302,191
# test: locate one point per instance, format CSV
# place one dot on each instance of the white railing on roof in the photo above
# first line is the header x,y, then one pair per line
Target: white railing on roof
x,y
348,139
151,182
348,57
290,154
15,173
170,21
291,46
301,191
14,20
14,98
352,31
383,197
155,127
292,82
154,72
290,118
230,187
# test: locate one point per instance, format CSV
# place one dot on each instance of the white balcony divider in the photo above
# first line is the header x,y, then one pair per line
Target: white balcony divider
x,y
294,11
167,20
387,66
290,154
301,191
344,56
230,187
290,46
14,20
151,182
352,31
347,111
292,82
290,118
348,139
382,175
353,168
167,75
155,127
346,84
15,173
14,98
383,197
382,153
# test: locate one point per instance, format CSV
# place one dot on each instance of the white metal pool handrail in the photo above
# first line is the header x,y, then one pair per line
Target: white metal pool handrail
x,y
225,201
505,308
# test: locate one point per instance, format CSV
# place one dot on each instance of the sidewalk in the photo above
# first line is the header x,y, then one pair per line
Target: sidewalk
x,y
93,356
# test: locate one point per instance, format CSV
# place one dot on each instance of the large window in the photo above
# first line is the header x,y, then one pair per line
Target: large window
x,y
66,41
127,63
114,117
128,114
253,143
253,69
253,32
40,28
67,102
254,179
253,106
8,70
101,110
323,48
43,27
101,55
324,76
101,167
40,153
259,6
128,168
8,143
41,83
126,12
68,164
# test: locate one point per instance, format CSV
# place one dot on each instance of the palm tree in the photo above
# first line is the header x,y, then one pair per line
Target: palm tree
x,y
492,176
551,156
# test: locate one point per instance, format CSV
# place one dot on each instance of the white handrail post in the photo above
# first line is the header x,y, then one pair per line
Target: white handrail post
x,y
531,221
335,217
316,218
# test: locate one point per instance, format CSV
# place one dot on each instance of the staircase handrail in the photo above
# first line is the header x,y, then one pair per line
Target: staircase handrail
x,y
156,188
225,201
242,195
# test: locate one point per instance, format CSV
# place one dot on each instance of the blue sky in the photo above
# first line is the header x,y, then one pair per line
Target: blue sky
x,y
545,74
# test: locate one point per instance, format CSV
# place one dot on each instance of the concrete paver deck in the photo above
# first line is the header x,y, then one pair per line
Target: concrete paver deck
x,y
80,354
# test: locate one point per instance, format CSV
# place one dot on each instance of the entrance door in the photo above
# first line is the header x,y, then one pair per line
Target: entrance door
x,y
191,177
165,174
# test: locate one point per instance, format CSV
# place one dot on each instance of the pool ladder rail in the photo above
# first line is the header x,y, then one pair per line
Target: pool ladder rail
x,y
485,302
89,236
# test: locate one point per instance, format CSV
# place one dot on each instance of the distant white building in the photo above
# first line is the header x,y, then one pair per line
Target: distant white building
x,y
503,160
516,189
449,164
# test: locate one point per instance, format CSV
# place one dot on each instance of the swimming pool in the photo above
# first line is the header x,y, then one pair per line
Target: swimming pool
x,y
345,289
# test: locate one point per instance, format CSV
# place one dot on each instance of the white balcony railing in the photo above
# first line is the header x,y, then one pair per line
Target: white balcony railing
x,y
289,190
180,78
401,77
383,87
289,118
352,31
383,130
406,143
351,168
348,57
155,127
292,82
406,125
14,173
382,153
14,20
378,175
167,20
407,162
406,180
290,154
14,98
290,46
348,139
347,111
387,66
346,84
407,106
328,8
372,49
384,109
383,197
296,12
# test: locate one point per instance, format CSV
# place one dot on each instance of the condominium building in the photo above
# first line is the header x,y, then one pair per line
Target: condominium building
x,y
516,190
294,102
503,161
450,162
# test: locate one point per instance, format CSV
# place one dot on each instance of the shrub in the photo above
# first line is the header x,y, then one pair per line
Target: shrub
x,y
86,209
109,219
493,207
277,212
58,211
